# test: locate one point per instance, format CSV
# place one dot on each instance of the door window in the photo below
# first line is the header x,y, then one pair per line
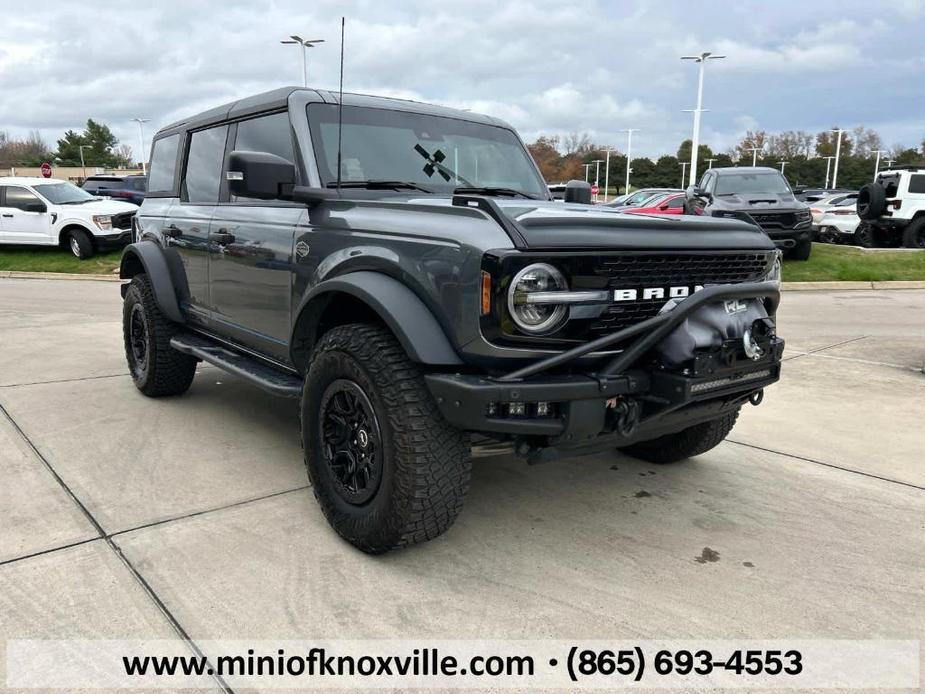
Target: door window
x,y
163,167
676,203
204,165
19,198
269,134
917,183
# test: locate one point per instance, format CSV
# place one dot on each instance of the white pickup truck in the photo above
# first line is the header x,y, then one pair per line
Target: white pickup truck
x,y
52,212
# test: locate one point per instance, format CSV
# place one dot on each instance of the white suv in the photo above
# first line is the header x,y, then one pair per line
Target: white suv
x,y
51,212
894,207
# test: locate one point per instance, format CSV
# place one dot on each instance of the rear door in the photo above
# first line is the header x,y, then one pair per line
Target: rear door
x,y
250,267
188,220
18,224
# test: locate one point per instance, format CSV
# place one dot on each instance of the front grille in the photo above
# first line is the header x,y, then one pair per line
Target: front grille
x,y
774,220
123,220
664,270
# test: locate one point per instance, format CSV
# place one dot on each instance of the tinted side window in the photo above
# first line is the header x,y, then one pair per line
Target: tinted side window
x,y
917,183
204,164
267,134
676,204
19,197
162,171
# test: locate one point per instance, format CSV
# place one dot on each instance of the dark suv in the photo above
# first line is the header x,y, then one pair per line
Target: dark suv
x,y
402,269
759,195
128,188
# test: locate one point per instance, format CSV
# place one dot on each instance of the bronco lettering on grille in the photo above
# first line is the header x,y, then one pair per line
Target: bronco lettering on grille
x,y
646,293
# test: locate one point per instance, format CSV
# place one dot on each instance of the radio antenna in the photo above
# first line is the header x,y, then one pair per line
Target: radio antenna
x,y
340,101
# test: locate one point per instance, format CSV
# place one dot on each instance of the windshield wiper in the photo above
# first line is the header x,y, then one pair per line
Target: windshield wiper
x,y
488,190
380,185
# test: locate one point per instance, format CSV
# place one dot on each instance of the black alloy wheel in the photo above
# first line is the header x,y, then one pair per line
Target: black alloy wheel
x,y
352,441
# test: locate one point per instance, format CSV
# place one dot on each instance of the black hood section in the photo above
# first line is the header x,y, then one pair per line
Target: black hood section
x,y
752,202
556,226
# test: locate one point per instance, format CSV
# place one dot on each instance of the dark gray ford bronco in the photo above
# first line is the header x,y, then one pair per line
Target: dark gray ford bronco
x,y
432,302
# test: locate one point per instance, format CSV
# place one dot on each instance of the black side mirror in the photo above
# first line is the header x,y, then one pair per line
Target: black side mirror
x,y
259,175
40,207
578,191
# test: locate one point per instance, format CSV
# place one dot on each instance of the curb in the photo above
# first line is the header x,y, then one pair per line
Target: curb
x,y
16,275
841,286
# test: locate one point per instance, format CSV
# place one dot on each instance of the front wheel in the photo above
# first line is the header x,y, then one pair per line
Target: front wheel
x,y
386,468
79,244
687,443
914,234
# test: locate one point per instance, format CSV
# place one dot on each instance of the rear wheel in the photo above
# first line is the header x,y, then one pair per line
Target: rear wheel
x,y
386,468
79,244
914,234
802,250
156,368
864,236
692,441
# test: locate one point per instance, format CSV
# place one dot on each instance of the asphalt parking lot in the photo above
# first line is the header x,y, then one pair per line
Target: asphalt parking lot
x,y
125,517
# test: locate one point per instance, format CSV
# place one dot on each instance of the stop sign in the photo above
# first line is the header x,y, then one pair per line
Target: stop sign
x,y
594,190
46,170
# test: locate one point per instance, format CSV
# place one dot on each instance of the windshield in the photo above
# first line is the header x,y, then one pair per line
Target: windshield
x,y
750,183
436,153
63,193
639,197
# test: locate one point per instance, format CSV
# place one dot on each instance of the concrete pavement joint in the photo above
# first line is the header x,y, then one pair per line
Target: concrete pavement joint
x,y
821,349
49,550
62,380
831,465
152,595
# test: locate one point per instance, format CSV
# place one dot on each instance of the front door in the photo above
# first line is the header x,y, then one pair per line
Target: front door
x,y
19,223
250,268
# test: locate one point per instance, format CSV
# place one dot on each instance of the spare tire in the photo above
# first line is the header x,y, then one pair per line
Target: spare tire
x,y
871,201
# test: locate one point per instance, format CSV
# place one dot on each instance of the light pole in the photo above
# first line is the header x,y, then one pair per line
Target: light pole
x,y
141,134
607,176
754,151
684,173
837,155
710,163
82,165
597,174
587,166
828,163
889,162
782,165
695,140
304,43
877,163
629,157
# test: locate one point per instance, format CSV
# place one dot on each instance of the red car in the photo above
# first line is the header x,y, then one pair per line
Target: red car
x,y
673,203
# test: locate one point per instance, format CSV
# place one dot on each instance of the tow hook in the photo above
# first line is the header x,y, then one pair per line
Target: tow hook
x,y
752,349
756,397
760,330
627,413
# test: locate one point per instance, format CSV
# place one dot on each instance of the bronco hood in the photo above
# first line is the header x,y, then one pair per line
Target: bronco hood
x,y
556,225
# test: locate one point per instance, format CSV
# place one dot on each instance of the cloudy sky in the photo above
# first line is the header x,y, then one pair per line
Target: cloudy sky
x,y
546,66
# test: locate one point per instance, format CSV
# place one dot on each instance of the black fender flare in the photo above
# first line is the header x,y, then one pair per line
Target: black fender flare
x,y
409,319
151,257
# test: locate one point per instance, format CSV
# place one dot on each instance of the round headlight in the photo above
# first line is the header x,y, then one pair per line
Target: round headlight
x,y
536,318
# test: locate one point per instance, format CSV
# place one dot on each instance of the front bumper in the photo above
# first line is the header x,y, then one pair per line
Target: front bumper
x,y
116,239
621,401
788,238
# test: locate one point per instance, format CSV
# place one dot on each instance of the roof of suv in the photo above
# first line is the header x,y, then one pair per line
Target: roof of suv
x,y
728,170
278,99
27,180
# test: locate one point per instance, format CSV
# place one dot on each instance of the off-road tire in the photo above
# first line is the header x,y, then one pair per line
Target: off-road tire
x,y
802,250
79,244
864,235
914,234
164,370
871,202
425,462
692,441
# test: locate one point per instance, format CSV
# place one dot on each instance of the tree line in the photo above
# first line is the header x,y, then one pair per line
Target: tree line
x,y
100,148
562,158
